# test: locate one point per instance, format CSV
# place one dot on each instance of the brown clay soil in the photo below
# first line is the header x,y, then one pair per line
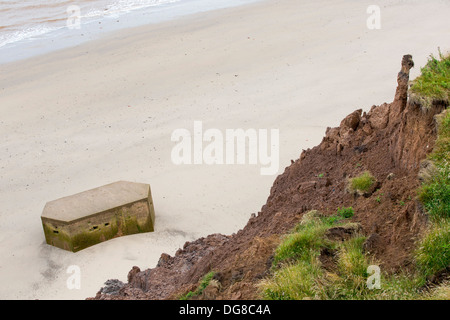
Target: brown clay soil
x,y
390,141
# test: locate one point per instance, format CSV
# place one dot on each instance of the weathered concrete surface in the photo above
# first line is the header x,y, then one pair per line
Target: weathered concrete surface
x,y
87,218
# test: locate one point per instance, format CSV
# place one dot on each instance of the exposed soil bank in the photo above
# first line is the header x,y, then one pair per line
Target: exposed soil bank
x,y
390,141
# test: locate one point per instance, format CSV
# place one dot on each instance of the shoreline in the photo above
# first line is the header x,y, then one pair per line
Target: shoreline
x,y
104,111
103,27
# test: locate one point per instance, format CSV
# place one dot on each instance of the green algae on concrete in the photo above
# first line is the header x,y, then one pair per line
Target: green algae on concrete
x,y
79,221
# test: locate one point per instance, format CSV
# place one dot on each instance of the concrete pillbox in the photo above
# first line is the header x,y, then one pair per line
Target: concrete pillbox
x,y
84,219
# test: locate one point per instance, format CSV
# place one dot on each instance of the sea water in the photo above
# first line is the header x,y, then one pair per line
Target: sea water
x,y
31,27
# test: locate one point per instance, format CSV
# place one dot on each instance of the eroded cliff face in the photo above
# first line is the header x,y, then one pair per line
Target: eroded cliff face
x,y
390,141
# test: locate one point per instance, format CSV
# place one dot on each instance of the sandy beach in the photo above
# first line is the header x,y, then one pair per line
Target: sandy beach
x,y
105,110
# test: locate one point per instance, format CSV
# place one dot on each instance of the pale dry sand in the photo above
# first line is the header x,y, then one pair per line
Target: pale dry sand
x,y
104,111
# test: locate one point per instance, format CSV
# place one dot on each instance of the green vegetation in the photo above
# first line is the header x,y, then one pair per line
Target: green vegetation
x,y
298,273
296,265
435,194
293,282
345,212
434,81
352,262
305,242
433,252
441,150
439,293
362,183
204,282
380,195
299,270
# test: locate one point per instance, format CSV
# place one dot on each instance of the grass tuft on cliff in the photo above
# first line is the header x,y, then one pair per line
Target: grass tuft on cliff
x,y
435,195
304,243
433,253
362,183
441,151
299,273
434,81
204,282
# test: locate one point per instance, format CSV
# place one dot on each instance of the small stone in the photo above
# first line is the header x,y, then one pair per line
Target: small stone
x,y
212,290
427,171
352,120
131,275
311,216
343,233
371,243
390,176
112,287
163,259
379,116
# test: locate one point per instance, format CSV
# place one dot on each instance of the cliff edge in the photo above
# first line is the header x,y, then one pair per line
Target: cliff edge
x,y
390,141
